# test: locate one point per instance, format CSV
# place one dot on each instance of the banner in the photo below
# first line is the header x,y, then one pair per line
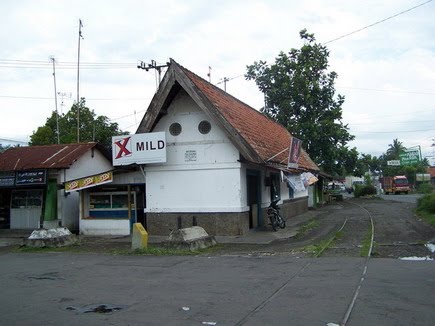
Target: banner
x,y
294,152
88,182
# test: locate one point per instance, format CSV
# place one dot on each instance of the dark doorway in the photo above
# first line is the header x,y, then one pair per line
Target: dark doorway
x,y
254,198
140,205
5,208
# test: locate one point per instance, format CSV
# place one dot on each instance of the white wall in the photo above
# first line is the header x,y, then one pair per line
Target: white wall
x,y
104,227
87,165
208,180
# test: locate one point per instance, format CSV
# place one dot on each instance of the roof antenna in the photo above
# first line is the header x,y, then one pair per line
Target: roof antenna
x,y
209,74
153,65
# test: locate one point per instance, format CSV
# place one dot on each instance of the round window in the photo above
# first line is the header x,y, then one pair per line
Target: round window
x,y
175,129
204,127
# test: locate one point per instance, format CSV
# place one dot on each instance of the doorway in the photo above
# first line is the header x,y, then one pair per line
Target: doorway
x,y
254,198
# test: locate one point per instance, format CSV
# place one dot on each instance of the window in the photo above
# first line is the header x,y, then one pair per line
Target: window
x,y
111,205
175,129
27,199
204,127
275,190
107,201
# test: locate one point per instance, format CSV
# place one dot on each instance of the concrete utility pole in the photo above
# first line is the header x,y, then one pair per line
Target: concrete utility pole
x,y
55,100
153,65
78,81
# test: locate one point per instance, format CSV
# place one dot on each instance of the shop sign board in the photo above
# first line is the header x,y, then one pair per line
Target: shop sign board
x,y
88,182
7,179
409,157
30,178
139,148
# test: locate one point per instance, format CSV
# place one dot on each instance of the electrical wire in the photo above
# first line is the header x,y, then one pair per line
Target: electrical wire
x,y
378,22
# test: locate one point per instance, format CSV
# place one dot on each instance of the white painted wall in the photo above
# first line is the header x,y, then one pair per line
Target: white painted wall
x,y
209,181
68,206
92,162
104,227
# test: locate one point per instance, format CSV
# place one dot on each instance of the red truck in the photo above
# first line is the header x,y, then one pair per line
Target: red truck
x,y
395,185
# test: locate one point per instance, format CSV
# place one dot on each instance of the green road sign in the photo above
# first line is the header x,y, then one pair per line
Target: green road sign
x,y
409,157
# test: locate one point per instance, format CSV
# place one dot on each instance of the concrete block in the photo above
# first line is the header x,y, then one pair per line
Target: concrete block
x,y
139,239
51,238
192,238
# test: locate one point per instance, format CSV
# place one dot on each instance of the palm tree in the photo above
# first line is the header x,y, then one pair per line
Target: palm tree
x,y
395,149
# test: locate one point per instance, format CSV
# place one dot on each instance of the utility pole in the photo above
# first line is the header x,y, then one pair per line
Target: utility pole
x,y
62,96
225,80
55,100
153,65
78,81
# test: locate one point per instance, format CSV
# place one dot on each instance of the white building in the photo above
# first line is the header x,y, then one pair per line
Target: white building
x,y
225,160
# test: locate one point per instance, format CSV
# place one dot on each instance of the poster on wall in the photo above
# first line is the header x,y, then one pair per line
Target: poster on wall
x,y
139,148
294,152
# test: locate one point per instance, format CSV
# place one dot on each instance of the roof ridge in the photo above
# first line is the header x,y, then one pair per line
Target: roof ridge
x,y
233,97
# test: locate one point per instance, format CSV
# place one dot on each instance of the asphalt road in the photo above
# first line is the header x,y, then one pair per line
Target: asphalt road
x,y
411,198
54,289
259,285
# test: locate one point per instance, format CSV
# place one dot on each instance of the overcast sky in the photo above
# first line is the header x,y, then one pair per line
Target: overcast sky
x,y
386,72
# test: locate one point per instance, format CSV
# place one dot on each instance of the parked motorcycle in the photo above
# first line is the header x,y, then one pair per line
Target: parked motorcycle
x,y
276,220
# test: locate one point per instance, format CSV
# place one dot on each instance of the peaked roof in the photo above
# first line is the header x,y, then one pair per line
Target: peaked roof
x,y
60,156
258,138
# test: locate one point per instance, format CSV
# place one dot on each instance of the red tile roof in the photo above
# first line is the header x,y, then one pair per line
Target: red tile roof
x,y
259,139
43,157
268,138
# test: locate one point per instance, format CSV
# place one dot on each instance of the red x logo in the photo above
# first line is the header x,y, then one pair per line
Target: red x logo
x,y
122,144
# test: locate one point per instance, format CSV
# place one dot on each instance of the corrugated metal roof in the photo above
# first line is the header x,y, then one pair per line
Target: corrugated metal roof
x,y
60,156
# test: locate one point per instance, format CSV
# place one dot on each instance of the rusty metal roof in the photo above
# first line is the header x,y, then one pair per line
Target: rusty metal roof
x,y
60,156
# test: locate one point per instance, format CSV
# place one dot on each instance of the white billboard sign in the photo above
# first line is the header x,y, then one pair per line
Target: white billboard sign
x,y
393,163
139,148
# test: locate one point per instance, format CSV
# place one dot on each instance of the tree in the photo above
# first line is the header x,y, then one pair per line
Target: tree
x,y
92,128
394,150
300,95
3,148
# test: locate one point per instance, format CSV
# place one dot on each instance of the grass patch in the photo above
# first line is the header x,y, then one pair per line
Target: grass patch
x,y
152,250
365,247
426,208
317,249
26,249
428,217
304,229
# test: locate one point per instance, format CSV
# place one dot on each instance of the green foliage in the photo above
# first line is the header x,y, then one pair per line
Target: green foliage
x,y
426,203
425,188
3,148
300,95
304,229
364,190
92,128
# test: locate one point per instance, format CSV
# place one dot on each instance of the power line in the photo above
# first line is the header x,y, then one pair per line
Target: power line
x,y
378,22
386,90
390,132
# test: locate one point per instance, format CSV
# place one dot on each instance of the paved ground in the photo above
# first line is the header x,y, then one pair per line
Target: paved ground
x,y
265,278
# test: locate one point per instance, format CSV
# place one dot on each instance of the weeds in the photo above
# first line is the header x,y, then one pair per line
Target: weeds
x,y
304,229
365,247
